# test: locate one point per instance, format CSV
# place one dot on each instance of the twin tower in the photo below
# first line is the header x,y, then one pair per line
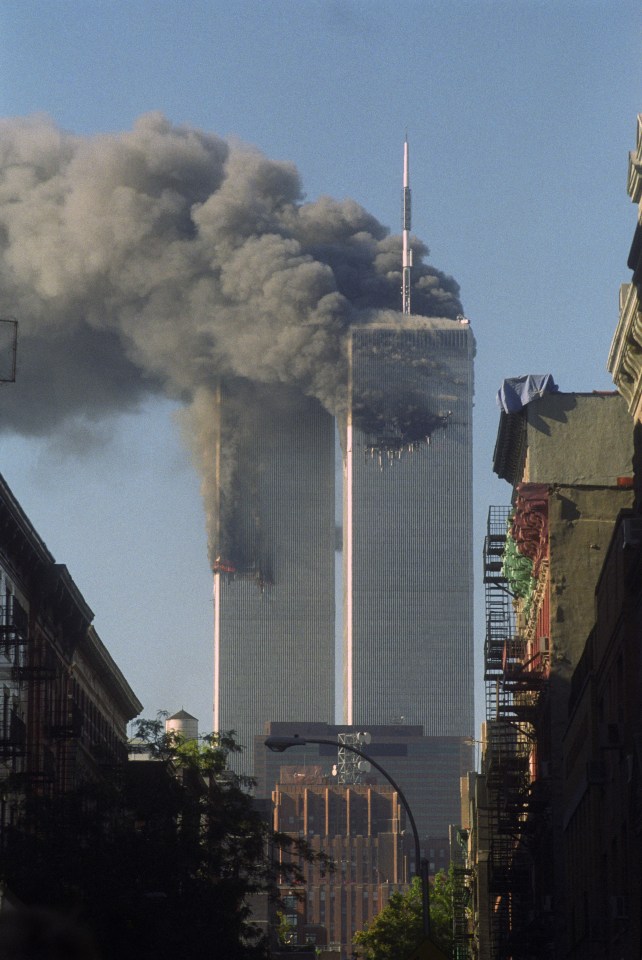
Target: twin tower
x,y
344,558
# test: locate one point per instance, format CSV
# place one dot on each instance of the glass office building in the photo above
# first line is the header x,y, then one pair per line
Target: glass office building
x,y
407,526
274,602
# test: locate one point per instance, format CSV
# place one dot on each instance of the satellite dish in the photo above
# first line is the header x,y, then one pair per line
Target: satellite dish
x,y
365,738
364,766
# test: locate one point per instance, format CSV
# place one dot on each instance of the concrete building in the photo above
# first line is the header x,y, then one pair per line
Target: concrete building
x,y
568,459
274,563
408,578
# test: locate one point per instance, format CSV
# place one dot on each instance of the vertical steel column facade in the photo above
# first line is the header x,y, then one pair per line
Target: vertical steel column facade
x,y
275,618
409,584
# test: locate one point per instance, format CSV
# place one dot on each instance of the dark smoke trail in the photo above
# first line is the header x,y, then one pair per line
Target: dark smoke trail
x,y
165,258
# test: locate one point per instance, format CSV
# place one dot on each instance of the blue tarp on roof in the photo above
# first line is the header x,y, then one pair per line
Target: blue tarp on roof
x,y
516,392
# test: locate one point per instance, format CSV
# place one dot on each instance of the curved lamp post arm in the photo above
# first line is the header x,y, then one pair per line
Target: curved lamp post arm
x,y
280,744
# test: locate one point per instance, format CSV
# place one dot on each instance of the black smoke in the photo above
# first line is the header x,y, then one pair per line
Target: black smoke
x,y
164,258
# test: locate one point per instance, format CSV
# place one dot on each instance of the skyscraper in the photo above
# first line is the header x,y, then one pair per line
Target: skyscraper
x,y
274,582
406,438
408,578
407,494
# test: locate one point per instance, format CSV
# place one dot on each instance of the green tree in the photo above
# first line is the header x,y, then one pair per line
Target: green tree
x,y
160,859
395,932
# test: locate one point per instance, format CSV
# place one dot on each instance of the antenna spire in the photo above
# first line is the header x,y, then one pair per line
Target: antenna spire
x,y
406,262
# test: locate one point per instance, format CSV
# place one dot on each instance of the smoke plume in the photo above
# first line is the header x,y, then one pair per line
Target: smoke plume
x,y
165,258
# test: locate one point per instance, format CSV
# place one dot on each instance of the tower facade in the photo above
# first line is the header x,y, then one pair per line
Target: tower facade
x,y
408,577
406,441
274,579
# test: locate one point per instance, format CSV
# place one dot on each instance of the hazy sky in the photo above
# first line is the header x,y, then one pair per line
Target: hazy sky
x,y
520,116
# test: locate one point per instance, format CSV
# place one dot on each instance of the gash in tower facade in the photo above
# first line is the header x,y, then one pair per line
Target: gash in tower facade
x,y
407,521
407,564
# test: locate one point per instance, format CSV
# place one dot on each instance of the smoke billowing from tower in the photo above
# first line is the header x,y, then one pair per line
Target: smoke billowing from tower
x,y
166,259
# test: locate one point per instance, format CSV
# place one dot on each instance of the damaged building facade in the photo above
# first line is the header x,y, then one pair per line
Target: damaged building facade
x,y
274,598
405,461
407,491
396,586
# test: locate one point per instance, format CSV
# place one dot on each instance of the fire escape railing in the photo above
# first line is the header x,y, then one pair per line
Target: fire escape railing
x,y
513,682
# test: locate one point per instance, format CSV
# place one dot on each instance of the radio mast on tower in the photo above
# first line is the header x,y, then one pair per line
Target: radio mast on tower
x,y
406,262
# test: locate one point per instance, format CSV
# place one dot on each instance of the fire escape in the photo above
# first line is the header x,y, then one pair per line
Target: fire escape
x,y
14,634
39,718
513,680
462,884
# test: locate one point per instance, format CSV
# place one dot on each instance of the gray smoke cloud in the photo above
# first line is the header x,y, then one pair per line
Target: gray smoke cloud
x,y
164,258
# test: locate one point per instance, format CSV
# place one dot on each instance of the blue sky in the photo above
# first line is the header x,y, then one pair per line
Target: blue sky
x,y
520,116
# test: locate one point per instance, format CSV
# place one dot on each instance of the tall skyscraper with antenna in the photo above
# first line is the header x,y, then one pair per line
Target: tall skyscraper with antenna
x,y
407,479
406,226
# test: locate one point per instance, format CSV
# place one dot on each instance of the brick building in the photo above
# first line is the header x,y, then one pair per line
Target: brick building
x,y
64,703
359,827
568,459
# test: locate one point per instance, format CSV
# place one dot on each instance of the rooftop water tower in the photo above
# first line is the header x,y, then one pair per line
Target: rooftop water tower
x,y
183,724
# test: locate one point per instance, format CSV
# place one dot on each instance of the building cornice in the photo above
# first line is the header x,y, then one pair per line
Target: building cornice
x,y
22,528
111,675
634,184
510,447
625,357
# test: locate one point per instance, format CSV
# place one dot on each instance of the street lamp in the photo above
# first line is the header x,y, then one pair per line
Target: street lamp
x,y
279,744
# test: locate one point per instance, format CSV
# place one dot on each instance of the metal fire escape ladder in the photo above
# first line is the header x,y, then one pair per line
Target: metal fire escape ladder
x,y
508,749
14,635
462,881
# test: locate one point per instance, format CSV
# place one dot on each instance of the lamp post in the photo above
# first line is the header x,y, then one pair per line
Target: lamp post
x,y
279,744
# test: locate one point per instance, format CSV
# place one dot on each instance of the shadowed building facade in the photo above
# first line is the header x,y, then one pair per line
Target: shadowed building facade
x,y
360,829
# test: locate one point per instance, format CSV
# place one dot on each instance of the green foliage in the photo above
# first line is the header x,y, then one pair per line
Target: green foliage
x,y
160,858
518,570
286,931
441,910
395,932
